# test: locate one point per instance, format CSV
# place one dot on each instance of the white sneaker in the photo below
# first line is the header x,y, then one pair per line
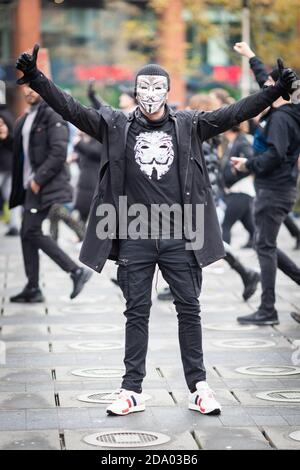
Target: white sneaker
x,y
127,402
203,400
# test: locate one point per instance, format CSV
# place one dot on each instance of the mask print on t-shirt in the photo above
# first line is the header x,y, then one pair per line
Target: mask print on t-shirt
x,y
154,153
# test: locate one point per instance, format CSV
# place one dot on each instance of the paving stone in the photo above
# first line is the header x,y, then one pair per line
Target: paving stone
x,y
236,416
25,375
10,420
280,437
231,438
30,440
13,332
26,347
42,419
16,401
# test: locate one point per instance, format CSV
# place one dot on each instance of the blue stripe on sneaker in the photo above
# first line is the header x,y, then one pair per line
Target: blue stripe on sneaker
x,y
133,400
196,399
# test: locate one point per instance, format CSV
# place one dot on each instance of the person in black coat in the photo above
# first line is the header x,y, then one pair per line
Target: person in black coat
x,y
6,157
275,167
259,129
41,179
89,156
153,156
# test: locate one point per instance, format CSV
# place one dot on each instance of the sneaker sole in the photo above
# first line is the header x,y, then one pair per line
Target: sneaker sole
x,y
265,323
214,412
135,409
27,301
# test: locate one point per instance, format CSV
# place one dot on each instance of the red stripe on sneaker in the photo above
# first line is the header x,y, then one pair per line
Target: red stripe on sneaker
x,y
129,403
201,409
125,411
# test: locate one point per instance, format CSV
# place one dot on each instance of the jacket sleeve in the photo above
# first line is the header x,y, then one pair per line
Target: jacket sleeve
x,y
212,123
88,120
278,142
57,137
259,70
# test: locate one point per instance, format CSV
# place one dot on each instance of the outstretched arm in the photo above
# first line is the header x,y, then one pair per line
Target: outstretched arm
x,y
257,66
215,122
86,119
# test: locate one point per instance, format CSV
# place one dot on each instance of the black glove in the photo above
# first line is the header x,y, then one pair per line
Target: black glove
x,y
27,64
285,81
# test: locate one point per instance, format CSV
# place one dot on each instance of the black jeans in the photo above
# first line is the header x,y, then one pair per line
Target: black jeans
x,y
33,239
270,210
137,262
239,207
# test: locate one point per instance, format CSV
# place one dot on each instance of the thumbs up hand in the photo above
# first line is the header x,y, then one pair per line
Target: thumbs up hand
x,y
27,64
287,77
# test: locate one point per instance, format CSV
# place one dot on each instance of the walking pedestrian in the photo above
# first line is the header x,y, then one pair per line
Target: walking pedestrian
x,y
40,179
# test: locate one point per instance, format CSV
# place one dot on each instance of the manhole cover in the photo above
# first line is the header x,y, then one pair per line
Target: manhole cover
x,y
96,345
98,373
103,396
287,396
99,397
228,327
244,343
93,328
295,435
269,370
126,439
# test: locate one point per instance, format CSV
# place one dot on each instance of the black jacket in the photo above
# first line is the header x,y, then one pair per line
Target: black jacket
x,y
6,146
89,162
276,168
48,144
110,127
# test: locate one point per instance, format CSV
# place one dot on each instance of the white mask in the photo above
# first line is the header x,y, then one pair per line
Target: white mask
x,y
151,92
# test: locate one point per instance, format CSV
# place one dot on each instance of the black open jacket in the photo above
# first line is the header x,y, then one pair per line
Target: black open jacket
x,y
110,127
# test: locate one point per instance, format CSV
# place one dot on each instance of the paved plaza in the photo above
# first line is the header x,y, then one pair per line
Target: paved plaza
x,y
64,357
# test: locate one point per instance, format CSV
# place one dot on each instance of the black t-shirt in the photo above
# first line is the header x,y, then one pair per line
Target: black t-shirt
x,y
152,175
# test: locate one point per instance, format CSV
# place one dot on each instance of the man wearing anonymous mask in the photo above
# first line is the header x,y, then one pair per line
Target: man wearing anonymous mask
x,y
154,156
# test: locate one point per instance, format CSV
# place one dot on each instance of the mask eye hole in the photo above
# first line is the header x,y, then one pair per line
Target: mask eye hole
x,y
163,146
144,147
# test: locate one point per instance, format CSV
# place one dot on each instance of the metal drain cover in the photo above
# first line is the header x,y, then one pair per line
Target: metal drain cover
x,y
96,373
96,345
285,396
228,327
269,370
106,397
244,343
126,439
295,435
93,328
